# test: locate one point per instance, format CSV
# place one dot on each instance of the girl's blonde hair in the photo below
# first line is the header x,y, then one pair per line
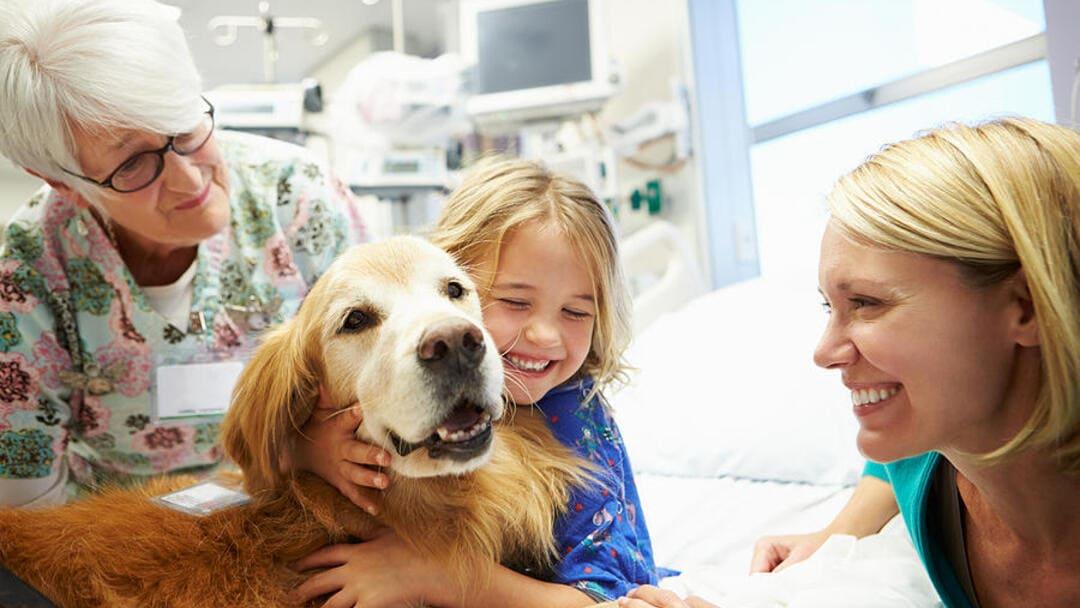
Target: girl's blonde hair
x,y
501,195
994,198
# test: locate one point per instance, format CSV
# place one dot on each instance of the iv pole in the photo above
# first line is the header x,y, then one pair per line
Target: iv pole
x,y
225,33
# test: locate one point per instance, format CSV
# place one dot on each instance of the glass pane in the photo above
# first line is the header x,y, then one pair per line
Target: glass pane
x,y
797,54
791,175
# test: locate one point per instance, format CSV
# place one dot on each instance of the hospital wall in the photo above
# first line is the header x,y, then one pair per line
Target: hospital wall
x,y
16,187
653,47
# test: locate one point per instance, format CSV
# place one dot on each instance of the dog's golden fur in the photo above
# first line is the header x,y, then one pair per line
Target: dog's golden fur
x,y
119,549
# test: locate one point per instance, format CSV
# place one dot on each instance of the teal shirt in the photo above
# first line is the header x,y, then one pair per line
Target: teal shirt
x,y
911,480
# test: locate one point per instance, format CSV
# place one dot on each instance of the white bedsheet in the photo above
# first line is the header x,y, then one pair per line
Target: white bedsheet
x,y
706,528
880,571
714,522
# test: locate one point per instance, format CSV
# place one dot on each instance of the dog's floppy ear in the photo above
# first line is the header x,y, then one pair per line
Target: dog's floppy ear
x,y
272,399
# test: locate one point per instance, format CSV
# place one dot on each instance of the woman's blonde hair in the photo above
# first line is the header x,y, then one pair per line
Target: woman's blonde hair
x,y
500,195
995,198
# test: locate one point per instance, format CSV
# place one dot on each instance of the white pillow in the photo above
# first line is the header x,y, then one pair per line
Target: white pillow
x,y
727,387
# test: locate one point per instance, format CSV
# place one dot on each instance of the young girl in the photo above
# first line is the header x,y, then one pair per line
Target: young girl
x,y
542,250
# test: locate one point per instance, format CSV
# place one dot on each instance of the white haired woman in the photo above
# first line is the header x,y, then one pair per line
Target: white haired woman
x,y
951,272
153,256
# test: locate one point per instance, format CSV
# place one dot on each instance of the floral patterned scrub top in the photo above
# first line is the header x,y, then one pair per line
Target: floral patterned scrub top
x,y
79,341
603,537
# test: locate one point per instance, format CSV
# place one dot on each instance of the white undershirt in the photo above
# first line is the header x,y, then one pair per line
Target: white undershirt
x,y
31,493
173,301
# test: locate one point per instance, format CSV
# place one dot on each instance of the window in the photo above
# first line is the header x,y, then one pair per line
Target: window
x,y
792,174
797,54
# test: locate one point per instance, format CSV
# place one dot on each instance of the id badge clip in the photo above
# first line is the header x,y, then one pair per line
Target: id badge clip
x,y
203,499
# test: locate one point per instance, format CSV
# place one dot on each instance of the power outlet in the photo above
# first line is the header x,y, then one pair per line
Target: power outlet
x,y
745,242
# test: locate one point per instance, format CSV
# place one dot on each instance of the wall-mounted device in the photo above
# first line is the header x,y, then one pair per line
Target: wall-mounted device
x,y
535,59
276,110
398,170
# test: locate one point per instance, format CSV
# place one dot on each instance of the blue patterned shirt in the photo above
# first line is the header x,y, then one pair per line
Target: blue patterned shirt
x,y
605,545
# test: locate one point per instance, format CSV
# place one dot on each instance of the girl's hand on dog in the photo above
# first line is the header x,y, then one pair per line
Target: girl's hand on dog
x,y
648,596
327,446
379,573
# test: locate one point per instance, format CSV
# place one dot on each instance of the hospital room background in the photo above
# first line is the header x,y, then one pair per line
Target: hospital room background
x,y
712,129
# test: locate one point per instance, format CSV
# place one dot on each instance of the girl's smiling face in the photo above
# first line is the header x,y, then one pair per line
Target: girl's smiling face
x,y
932,363
540,310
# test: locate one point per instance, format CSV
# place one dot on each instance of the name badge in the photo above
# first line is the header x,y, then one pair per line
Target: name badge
x,y
204,498
195,390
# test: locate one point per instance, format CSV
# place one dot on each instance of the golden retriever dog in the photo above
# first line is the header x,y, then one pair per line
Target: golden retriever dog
x,y
396,327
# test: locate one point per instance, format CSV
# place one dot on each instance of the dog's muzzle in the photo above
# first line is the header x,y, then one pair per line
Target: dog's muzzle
x,y
451,354
463,435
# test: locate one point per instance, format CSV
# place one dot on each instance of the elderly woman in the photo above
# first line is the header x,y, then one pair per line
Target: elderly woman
x,y
951,272
134,283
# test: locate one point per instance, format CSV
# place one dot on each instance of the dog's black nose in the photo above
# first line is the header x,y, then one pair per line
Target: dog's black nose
x,y
451,343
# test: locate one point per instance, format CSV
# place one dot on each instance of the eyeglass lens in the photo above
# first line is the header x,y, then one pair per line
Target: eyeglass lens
x,y
142,169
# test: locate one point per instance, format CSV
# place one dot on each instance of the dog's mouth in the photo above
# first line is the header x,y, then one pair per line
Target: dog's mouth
x,y
463,435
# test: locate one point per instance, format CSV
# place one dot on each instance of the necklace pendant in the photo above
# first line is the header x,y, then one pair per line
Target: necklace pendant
x,y
196,322
258,321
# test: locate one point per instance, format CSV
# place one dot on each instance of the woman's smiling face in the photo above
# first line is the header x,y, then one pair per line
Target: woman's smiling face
x,y
931,362
540,310
186,204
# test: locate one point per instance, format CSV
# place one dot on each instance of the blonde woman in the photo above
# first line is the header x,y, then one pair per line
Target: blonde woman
x,y
542,250
951,272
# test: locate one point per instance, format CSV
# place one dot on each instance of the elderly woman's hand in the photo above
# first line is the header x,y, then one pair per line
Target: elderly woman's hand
x,y
327,446
648,596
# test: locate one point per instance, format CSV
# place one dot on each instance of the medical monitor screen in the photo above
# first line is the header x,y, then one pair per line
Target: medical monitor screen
x,y
535,45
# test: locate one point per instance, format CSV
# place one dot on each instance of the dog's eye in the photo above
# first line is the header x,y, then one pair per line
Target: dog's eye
x,y
455,290
357,320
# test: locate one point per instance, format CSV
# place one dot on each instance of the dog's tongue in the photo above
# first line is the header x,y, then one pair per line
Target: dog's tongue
x,y
461,418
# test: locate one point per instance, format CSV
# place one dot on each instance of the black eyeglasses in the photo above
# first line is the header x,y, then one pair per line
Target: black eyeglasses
x,y
142,169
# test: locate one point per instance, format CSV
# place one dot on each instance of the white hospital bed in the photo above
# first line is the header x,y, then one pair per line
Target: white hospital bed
x,y
735,434
661,270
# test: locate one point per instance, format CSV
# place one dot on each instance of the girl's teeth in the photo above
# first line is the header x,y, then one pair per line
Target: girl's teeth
x,y
527,365
865,396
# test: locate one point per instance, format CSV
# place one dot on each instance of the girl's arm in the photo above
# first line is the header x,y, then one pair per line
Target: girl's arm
x,y
509,588
653,597
603,538
385,572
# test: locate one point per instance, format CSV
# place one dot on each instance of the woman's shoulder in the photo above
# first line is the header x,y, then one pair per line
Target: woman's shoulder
x,y
285,207
272,178
43,216
247,151
33,211
911,477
